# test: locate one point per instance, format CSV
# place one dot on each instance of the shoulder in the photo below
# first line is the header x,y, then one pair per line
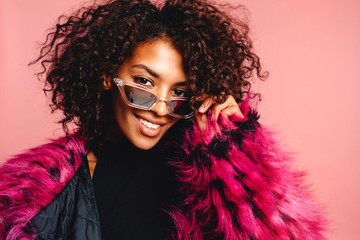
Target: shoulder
x,y
243,178
53,160
29,181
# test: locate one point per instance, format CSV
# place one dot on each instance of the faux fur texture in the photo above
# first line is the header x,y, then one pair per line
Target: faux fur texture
x,y
237,181
29,182
239,185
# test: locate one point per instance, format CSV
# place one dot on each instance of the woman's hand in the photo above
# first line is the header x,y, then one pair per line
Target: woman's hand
x,y
227,109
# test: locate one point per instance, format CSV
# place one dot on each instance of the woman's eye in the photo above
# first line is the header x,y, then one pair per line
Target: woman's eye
x,y
143,81
180,93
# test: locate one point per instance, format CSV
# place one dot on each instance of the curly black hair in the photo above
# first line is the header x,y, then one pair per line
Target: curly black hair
x,y
217,54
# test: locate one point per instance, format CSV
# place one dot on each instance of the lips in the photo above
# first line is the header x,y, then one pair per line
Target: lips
x,y
150,128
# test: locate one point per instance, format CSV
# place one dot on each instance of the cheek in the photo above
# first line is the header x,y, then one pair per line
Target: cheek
x,y
118,107
121,112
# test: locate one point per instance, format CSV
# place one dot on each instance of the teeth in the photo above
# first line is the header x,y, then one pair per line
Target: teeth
x,y
149,124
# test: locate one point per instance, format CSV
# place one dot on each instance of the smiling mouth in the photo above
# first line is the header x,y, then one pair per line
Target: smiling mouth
x,y
148,124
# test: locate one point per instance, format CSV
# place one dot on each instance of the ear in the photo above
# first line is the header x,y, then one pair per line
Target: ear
x,y
106,82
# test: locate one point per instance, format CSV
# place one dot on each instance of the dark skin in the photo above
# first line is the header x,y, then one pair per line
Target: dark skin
x,y
159,67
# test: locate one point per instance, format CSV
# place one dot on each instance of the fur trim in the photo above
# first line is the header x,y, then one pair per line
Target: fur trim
x,y
30,181
238,184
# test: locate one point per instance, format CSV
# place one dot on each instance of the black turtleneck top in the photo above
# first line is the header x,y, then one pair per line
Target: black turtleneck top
x,y
133,189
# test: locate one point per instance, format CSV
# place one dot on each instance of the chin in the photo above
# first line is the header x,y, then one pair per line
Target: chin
x,y
145,144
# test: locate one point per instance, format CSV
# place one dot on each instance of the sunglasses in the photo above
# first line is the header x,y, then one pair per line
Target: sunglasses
x,y
140,97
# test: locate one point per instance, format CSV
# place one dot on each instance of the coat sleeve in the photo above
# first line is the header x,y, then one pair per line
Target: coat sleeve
x,y
239,184
29,182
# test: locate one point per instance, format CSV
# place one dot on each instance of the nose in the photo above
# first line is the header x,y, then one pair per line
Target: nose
x,y
160,108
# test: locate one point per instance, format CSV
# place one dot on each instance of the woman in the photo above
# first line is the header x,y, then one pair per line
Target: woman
x,y
167,145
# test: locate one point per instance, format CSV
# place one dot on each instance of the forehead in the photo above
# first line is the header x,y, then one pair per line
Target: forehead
x,y
160,57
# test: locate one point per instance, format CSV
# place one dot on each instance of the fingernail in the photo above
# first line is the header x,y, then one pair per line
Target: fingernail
x,y
203,118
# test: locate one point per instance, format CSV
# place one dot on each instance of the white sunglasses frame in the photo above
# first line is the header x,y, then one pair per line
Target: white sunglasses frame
x,y
121,84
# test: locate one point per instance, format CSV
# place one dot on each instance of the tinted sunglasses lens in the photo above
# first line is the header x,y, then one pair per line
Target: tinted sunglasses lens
x,y
139,97
180,107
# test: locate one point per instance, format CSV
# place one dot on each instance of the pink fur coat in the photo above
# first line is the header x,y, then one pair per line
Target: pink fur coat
x,y
238,184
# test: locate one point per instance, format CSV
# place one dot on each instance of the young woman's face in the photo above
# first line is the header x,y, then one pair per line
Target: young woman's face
x,y
158,66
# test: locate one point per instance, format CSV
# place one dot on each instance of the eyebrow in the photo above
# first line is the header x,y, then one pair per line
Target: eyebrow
x,y
181,83
151,72
154,74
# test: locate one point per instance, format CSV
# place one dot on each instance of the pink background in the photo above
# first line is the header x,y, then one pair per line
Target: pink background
x,y
310,48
